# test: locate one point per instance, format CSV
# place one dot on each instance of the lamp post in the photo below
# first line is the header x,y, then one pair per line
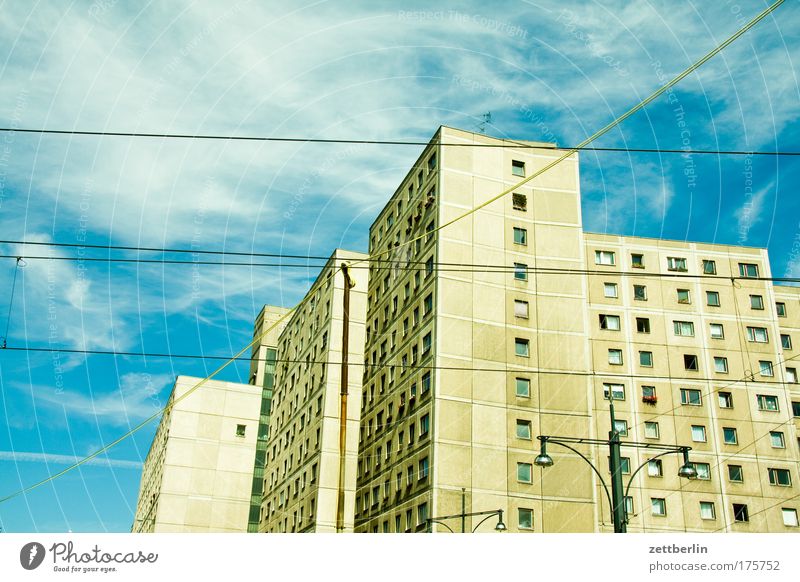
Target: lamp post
x,y
616,497
463,517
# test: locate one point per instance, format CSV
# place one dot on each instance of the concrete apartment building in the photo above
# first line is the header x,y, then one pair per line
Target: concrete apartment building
x,y
466,366
309,486
197,475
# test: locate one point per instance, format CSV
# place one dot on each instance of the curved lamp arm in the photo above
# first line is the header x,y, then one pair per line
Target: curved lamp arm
x,y
582,456
498,512
640,467
432,521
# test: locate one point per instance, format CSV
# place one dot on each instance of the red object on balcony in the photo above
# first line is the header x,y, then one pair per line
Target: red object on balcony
x,y
649,399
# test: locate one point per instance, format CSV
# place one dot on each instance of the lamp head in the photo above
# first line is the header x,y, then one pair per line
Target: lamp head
x,y
687,470
500,525
543,460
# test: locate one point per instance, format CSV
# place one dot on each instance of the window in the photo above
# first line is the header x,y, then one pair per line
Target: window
x,y
757,334
426,382
698,433
683,328
780,309
646,359
735,473
423,469
523,386
720,364
767,402
604,258
651,430
712,298
729,436
791,375
520,271
524,472
655,468
524,429
521,347
426,343
690,396
521,309
427,304
683,296
424,425
776,439
740,512
749,270
517,168
725,399
240,430
637,260
690,362
525,518
429,266
756,302
615,357
703,471
519,202
629,505
649,393
520,236
717,331
795,408
707,510
765,368
432,163
709,267
789,516
786,341
640,293
676,264
624,465
621,426
422,513
610,290
617,391
658,506
780,477
610,322
643,325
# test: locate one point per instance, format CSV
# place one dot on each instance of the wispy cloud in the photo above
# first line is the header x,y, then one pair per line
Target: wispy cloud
x,y
55,459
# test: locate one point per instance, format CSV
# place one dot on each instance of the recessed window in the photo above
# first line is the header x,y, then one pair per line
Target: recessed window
x,y
735,473
757,334
424,427
756,302
426,382
519,202
240,430
649,394
643,325
524,472
698,433
521,309
525,518
684,296
427,304
615,357
725,399
780,477
624,465
749,270
685,328
712,298
709,267
707,510
721,364
640,293
522,347
795,409
789,516
691,397
523,387
426,344
616,390
655,468
610,322
729,436
604,258
767,402
740,513
776,439
520,271
780,309
517,168
629,505
786,341
651,430
432,163
690,362
717,331
524,429
703,471
520,236
791,375
676,264
610,290
765,367
621,426
646,359
658,506
637,261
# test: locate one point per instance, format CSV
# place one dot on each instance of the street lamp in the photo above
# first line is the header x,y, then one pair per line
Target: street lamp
x,y
500,527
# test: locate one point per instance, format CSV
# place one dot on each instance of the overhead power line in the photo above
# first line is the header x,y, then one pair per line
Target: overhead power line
x,y
508,143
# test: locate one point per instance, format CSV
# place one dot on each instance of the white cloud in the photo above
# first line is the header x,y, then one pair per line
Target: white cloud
x,y
56,459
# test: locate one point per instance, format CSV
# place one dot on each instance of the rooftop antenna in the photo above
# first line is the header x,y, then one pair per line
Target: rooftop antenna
x,y
487,118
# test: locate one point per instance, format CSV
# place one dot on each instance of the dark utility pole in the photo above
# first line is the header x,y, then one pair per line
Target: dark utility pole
x,y
348,284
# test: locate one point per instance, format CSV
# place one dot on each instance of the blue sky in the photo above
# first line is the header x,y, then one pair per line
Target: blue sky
x,y
545,70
